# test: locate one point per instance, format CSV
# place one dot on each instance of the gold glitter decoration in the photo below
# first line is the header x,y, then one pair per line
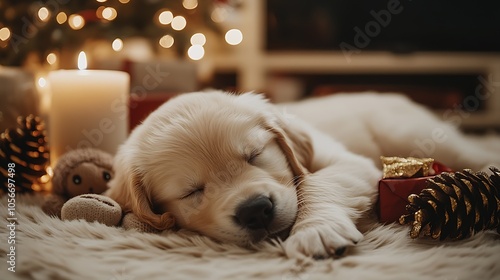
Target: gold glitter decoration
x,y
455,205
410,167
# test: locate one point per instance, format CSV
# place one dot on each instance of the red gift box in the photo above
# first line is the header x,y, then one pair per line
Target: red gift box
x,y
393,194
141,106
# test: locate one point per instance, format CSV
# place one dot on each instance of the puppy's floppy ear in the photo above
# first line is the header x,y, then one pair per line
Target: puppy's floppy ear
x,y
293,140
129,191
295,144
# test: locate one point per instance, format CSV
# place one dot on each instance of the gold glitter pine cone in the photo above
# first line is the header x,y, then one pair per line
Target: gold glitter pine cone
x,y
455,205
25,146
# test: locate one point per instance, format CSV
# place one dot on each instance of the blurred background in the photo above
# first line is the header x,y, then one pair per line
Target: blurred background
x,y
443,54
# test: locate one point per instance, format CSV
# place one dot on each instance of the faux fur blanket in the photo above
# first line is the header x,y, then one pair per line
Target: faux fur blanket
x,y
48,248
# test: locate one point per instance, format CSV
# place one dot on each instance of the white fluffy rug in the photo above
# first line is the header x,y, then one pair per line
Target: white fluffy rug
x,y
48,248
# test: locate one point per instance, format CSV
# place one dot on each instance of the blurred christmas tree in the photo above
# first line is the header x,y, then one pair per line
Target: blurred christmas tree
x,y
42,27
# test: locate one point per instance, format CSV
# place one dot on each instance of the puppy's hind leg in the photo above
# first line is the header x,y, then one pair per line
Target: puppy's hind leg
x,y
409,129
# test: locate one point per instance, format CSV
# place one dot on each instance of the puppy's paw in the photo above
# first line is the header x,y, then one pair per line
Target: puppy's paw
x,y
321,240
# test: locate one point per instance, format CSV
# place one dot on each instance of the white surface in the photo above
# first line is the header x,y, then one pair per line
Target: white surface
x,y
49,248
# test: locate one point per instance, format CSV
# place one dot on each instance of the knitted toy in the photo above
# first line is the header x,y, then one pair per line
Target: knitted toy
x,y
77,172
80,176
102,209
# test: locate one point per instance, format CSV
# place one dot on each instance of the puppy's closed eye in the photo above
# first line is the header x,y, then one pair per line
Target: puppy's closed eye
x,y
194,191
252,157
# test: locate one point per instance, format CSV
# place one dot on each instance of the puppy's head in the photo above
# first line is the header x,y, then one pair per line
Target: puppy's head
x,y
223,165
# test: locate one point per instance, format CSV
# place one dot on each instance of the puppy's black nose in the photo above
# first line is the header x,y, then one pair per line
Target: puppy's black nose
x,y
255,213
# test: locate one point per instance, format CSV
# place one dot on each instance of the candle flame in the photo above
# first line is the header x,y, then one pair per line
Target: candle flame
x,y
82,61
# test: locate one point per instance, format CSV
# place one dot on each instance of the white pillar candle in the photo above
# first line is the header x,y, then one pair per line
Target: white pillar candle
x,y
88,110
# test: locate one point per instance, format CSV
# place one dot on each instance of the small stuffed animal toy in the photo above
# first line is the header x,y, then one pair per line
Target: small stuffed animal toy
x,y
80,177
81,171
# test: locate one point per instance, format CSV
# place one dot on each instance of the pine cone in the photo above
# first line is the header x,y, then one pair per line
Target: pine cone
x,y
455,205
26,147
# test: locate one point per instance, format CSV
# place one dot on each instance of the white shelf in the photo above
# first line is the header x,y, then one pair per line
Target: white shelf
x,y
381,62
369,62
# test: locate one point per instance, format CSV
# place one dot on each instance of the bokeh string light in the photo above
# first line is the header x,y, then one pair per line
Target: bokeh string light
x,y
76,22
61,17
51,58
196,52
121,19
117,44
165,17
167,41
198,39
234,37
4,33
190,4
43,14
109,13
178,23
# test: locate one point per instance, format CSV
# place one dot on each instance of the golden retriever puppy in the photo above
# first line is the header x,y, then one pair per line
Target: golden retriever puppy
x,y
239,169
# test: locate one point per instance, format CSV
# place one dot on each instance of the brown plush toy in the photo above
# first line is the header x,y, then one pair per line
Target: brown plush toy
x,y
82,171
80,177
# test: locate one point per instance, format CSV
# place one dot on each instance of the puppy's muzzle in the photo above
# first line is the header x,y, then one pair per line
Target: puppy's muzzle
x,y
255,213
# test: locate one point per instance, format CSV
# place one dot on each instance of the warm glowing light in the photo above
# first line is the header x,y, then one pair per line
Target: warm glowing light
x,y
4,34
219,14
198,39
109,13
43,14
99,10
82,61
44,179
76,22
178,23
234,37
196,52
51,58
190,4
42,82
167,41
101,1
166,17
124,1
117,45
61,17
